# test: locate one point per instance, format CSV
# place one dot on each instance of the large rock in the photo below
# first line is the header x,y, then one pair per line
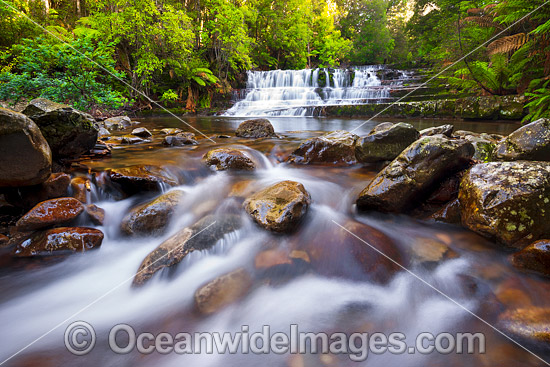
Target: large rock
x,y
507,201
59,241
25,157
116,123
222,291
535,257
446,130
258,128
530,142
229,158
152,217
279,208
414,173
334,147
385,142
27,197
134,179
69,132
180,139
531,325
49,213
200,236
484,144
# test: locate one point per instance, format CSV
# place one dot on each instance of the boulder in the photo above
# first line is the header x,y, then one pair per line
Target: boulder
x,y
484,145
25,157
103,133
116,123
200,236
152,217
59,241
334,147
279,208
49,213
414,173
385,142
507,201
529,142
138,178
258,128
512,108
180,139
69,132
222,291
26,197
80,187
446,130
96,214
222,159
535,257
528,325
142,132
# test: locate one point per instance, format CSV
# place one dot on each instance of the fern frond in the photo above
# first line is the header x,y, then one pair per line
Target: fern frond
x,y
507,44
481,21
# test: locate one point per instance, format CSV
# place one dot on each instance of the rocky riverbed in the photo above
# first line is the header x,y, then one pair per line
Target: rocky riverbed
x,y
229,222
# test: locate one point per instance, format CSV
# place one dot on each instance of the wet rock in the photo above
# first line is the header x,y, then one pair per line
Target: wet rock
x,y
59,241
450,213
535,257
138,178
222,291
385,142
446,130
152,217
25,157
279,208
69,132
531,325
49,213
228,158
4,240
131,139
200,236
180,139
103,132
484,145
171,131
80,187
117,123
258,128
511,108
508,201
270,258
429,250
142,132
96,214
27,197
529,142
334,147
413,174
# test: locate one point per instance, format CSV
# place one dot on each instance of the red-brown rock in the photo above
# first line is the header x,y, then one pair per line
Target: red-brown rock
x,y
49,213
60,240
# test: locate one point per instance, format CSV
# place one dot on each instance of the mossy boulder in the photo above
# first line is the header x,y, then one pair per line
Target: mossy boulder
x,y
529,142
484,144
222,159
535,257
385,142
258,128
415,173
25,156
279,208
507,201
152,217
512,108
336,147
488,108
69,132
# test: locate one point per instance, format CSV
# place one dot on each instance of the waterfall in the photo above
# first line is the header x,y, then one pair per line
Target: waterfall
x,y
302,92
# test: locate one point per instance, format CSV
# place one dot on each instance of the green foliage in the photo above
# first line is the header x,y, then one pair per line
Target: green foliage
x,y
539,106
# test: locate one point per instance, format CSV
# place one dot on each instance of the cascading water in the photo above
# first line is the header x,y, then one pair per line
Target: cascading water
x,y
303,92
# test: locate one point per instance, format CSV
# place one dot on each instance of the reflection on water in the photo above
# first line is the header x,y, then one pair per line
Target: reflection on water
x,y
347,286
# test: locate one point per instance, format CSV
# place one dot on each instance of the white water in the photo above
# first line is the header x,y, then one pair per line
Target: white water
x,y
302,92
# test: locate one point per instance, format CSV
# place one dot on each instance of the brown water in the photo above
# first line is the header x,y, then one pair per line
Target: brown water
x,y
344,288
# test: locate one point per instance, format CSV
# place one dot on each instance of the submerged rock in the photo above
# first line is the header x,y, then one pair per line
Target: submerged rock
x,y
152,217
180,139
446,130
385,142
229,158
508,201
279,208
334,147
530,325
200,236
535,257
529,142
222,291
25,156
139,178
49,213
258,128
59,241
69,132
413,174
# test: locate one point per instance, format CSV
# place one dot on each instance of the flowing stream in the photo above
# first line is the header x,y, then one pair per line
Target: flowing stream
x,y
39,298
